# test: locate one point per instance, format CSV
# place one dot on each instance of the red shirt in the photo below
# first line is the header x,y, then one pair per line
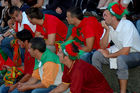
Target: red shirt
x,y
85,78
53,25
29,63
89,27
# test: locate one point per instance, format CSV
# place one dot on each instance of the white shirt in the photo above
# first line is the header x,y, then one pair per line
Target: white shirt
x,y
26,21
125,35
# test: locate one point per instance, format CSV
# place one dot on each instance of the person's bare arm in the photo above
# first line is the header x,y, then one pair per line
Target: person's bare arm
x,y
24,79
39,3
71,38
89,44
51,39
123,51
32,80
61,88
2,24
30,87
104,40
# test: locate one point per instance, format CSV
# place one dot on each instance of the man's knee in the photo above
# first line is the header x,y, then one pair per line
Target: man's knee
x,y
122,67
121,63
96,55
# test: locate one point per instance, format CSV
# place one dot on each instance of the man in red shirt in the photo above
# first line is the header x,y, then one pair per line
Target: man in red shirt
x,y
78,75
53,28
24,37
87,31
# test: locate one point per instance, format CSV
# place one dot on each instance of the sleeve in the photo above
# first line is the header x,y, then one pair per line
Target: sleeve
x,y
52,26
40,29
128,36
36,74
31,65
77,81
50,71
65,77
74,32
90,30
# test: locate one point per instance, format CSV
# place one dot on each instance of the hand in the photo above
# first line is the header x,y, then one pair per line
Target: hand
x,y
5,67
12,88
104,52
58,10
20,84
104,25
38,34
53,91
23,87
7,33
10,23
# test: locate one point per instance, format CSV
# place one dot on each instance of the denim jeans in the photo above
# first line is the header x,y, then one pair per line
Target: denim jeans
x,y
124,62
87,56
6,47
4,89
37,90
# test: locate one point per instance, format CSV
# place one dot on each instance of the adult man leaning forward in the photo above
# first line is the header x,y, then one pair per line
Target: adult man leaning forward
x,y
79,76
47,69
23,37
87,31
126,47
48,26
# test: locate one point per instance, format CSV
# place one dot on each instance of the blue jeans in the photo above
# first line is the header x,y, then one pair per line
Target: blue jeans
x,y
38,90
138,25
124,62
4,89
87,56
6,47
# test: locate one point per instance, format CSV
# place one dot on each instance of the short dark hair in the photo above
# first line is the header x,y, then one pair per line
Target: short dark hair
x,y
24,35
34,12
13,9
38,43
76,12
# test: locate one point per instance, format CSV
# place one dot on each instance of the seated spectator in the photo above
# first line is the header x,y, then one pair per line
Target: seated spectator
x,y
58,8
78,75
5,17
47,72
41,4
134,15
87,31
104,3
24,37
22,22
20,4
54,29
125,53
31,2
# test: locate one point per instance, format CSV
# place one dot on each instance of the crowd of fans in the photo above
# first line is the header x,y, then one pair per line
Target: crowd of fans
x,y
42,53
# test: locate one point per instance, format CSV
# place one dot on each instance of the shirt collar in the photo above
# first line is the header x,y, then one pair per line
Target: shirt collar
x,y
119,27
